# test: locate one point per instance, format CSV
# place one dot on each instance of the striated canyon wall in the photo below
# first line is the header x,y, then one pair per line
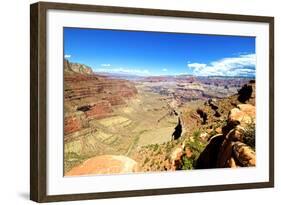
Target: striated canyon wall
x,y
89,97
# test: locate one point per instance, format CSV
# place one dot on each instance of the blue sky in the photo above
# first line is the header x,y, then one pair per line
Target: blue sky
x,y
156,53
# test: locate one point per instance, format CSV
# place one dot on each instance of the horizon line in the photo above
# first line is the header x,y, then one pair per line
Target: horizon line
x,y
162,75
173,75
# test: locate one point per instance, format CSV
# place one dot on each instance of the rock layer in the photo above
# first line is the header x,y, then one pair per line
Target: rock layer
x,y
88,98
92,95
77,68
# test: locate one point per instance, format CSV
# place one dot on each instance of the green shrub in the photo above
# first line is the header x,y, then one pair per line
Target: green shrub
x,y
196,146
196,134
187,163
250,135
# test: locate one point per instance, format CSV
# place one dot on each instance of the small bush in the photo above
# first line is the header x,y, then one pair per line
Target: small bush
x,y
155,148
187,163
146,160
196,134
196,146
250,135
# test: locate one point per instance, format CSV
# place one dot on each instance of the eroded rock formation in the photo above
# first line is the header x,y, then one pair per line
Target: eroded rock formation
x,y
231,149
105,164
202,115
95,96
89,97
244,114
76,68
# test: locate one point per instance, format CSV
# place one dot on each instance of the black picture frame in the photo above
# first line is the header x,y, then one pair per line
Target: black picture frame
x,y
38,100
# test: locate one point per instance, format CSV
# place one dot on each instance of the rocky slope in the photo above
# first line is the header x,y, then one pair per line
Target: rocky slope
x,y
219,133
234,147
87,98
110,121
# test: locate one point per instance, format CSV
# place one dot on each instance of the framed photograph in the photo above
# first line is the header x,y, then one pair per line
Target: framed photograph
x,y
133,102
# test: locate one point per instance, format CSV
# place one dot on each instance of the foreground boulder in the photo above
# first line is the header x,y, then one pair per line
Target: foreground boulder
x,y
105,164
244,114
244,155
231,148
209,157
246,92
175,157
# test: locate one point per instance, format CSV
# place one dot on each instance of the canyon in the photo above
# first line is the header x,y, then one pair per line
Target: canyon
x,y
153,123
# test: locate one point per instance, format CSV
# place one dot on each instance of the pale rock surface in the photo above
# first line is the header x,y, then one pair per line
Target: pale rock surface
x,y
105,164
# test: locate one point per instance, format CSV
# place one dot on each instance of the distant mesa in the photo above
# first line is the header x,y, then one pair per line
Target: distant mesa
x,y
77,68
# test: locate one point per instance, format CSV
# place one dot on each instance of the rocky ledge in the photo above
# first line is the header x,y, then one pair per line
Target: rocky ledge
x,y
235,146
105,164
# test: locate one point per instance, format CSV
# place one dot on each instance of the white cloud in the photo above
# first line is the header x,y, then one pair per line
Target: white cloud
x,y
67,56
105,65
243,65
164,69
125,71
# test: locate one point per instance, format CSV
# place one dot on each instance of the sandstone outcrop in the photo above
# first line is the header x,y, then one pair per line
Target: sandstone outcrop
x,y
175,157
244,155
105,164
230,149
72,123
244,114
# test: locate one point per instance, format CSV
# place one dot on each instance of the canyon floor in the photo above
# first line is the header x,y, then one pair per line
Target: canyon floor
x,y
145,119
120,125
